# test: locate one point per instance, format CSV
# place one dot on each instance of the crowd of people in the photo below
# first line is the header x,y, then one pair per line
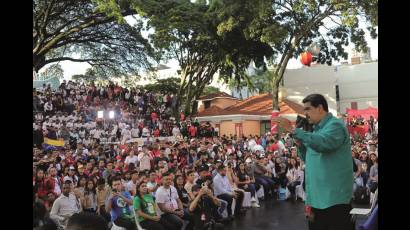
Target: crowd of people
x,y
192,178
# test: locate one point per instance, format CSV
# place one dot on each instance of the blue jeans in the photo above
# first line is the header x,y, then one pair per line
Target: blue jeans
x,y
251,188
266,182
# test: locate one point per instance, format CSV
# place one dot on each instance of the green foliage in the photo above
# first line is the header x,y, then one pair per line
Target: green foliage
x,y
53,70
91,31
210,90
168,86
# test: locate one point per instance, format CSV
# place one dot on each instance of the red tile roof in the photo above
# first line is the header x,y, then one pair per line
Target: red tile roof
x,y
213,95
257,105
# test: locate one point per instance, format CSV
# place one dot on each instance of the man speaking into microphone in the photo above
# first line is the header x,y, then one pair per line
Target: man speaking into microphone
x,y
329,169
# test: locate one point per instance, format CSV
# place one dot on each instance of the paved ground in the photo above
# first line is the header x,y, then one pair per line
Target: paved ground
x,y
272,214
277,215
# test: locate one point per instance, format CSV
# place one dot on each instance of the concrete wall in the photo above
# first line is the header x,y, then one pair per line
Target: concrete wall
x,y
251,127
307,80
227,128
357,83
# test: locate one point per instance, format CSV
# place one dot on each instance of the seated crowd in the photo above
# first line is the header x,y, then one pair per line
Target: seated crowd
x,y
192,178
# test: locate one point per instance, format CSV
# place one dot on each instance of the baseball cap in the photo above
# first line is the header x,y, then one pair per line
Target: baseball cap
x,y
72,168
203,168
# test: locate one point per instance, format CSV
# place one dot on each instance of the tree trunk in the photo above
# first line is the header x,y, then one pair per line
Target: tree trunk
x,y
275,97
277,79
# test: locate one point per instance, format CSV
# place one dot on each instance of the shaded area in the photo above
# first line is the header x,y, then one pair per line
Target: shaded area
x,y
278,215
272,214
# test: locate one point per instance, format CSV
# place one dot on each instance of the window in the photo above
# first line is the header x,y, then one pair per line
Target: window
x,y
265,127
207,104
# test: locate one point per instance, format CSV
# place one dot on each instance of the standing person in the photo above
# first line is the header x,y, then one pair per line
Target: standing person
x,y
131,158
170,206
119,205
144,159
327,153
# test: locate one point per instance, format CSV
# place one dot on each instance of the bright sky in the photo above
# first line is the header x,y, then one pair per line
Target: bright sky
x,y
71,68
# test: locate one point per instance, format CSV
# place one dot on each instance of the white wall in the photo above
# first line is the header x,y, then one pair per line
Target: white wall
x,y
307,80
357,83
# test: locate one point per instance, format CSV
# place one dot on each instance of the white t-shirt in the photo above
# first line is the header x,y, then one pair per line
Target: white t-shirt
x,y
145,132
135,132
133,159
175,131
144,160
168,197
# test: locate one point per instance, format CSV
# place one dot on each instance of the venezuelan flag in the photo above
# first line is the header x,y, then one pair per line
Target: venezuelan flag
x,y
59,142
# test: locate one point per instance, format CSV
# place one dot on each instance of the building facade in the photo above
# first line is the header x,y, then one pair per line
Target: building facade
x,y
344,86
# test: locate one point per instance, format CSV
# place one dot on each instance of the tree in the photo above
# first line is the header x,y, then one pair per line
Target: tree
x,y
167,86
331,23
89,76
210,90
53,70
85,31
189,32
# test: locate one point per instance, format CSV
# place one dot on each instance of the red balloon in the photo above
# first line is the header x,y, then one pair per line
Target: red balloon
x,y
306,58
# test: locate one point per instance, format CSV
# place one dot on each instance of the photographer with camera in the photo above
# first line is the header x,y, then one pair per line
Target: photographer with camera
x,y
203,208
327,153
119,205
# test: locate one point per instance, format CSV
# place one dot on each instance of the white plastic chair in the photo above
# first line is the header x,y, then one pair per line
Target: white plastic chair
x,y
260,193
365,211
247,200
300,193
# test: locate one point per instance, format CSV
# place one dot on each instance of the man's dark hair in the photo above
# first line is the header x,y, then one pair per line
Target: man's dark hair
x,y
165,174
221,167
114,178
101,181
316,100
86,221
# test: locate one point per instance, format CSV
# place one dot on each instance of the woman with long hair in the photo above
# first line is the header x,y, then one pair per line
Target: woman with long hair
x,y
89,199
294,176
182,193
245,182
42,186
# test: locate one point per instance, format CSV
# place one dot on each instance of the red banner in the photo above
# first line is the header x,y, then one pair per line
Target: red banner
x,y
360,129
274,125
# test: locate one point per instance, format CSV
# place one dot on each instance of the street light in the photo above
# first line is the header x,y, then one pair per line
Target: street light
x,y
100,114
111,114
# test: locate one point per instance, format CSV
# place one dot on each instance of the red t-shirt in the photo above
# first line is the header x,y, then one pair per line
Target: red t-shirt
x,y
192,130
273,147
156,133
